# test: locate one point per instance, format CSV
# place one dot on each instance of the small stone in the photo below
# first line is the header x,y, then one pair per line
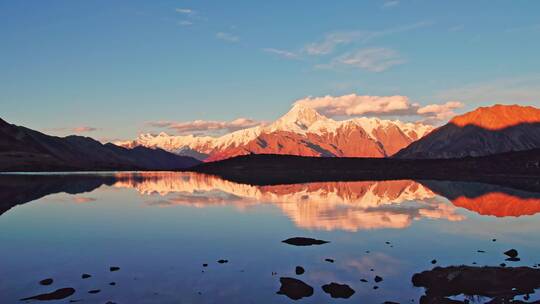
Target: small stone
x,y
299,270
94,291
223,261
434,262
46,282
378,279
329,260
336,290
85,276
114,268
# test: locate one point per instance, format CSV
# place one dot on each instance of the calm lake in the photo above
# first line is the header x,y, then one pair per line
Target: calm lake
x,y
161,229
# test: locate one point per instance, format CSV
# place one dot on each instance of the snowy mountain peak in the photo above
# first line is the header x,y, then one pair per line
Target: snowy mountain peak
x,y
298,120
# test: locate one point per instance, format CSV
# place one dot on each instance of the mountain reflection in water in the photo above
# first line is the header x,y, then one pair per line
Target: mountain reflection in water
x,y
348,206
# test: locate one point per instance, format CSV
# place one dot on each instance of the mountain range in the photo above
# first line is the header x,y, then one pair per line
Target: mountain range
x,y
23,149
302,131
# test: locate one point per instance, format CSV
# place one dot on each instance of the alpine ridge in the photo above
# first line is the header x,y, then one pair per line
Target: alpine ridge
x,y
484,131
301,131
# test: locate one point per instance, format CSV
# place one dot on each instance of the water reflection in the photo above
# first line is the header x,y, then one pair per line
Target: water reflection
x,y
348,206
171,234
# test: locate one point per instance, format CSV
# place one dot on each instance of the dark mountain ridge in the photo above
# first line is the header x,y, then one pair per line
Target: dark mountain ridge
x,y
23,149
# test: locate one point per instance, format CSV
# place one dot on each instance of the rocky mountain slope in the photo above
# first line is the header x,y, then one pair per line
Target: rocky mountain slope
x,y
484,131
23,149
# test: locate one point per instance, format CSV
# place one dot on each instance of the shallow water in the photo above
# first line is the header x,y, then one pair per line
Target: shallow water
x,y
160,228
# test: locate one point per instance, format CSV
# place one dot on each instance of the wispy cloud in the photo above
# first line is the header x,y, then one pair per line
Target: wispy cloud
x,y
332,40
227,37
185,23
282,53
206,126
390,3
370,59
84,129
185,11
524,89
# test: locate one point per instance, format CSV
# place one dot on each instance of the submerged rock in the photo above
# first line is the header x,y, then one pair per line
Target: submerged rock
x,y
303,241
85,276
46,282
94,291
114,268
337,290
377,279
58,294
329,260
294,288
299,270
223,261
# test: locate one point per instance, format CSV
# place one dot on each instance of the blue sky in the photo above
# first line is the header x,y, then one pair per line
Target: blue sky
x,y
108,69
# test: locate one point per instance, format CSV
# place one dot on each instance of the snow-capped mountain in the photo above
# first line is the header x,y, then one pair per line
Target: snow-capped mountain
x,y
301,131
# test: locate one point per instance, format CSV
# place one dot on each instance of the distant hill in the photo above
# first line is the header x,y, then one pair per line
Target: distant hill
x,y
302,131
484,131
23,149
267,169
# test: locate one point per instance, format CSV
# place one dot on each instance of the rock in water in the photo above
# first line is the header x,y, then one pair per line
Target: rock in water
x,y
46,282
303,241
511,253
58,294
294,288
337,290
299,270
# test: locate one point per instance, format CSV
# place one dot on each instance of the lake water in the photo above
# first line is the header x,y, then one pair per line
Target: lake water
x,y
160,228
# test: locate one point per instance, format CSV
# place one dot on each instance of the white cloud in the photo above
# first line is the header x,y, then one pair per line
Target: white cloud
x,y
206,126
227,37
353,104
371,59
440,112
282,53
390,3
185,11
397,105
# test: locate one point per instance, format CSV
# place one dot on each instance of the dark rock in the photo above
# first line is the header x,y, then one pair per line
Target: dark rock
x,y
337,290
294,288
481,251
86,276
511,253
204,265
377,279
363,280
491,282
433,261
94,291
375,287
494,240
303,241
46,282
114,268
329,260
58,294
299,270
223,261
112,283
